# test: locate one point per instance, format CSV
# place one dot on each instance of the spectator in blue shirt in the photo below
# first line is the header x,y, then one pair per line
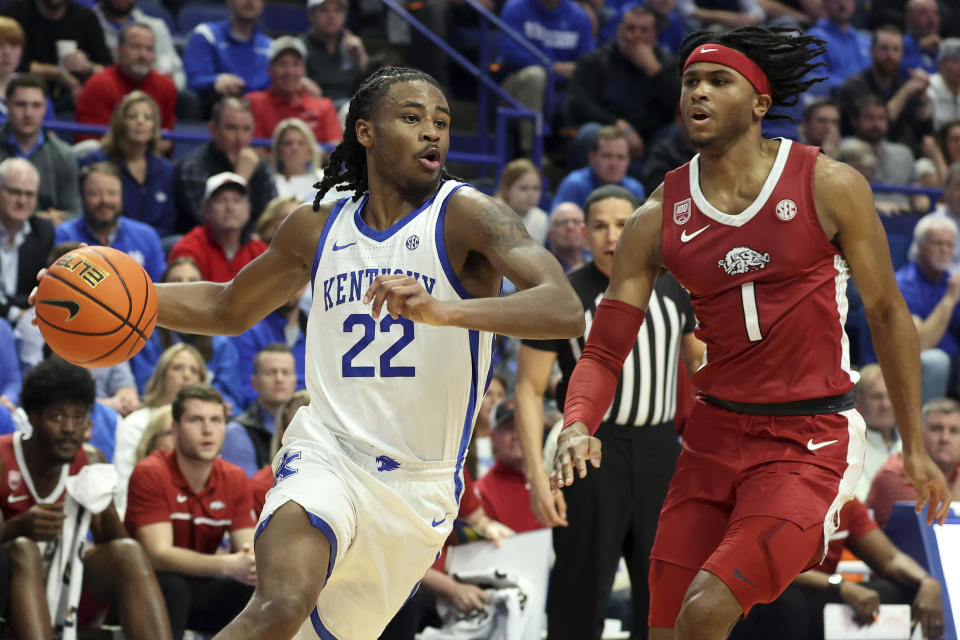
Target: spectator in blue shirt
x,y
248,436
102,223
229,57
10,380
558,28
132,144
287,325
607,163
931,294
671,29
921,42
848,48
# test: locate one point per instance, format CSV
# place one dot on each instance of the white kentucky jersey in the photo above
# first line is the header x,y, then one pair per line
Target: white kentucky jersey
x,y
406,390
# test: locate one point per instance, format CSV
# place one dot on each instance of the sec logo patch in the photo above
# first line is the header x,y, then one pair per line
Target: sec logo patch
x,y
786,210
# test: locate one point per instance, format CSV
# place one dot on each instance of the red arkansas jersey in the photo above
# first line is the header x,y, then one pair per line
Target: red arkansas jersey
x,y
17,492
158,492
767,286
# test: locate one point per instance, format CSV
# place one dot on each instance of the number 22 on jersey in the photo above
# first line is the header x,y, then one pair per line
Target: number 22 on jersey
x,y
368,327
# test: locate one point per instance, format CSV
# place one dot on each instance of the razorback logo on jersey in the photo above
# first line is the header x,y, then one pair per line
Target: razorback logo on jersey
x,y
743,259
682,211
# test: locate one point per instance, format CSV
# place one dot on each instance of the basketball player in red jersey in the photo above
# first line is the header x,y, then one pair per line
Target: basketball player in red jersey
x,y
764,234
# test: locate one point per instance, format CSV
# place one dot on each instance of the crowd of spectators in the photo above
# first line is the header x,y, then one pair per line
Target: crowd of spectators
x,y
192,422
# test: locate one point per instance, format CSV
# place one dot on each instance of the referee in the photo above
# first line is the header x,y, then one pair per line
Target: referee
x,y
613,511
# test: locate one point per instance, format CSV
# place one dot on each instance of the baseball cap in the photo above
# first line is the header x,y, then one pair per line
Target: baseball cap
x,y
286,43
224,179
503,413
949,48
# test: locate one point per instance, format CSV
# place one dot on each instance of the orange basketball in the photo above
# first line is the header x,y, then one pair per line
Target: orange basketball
x,y
96,307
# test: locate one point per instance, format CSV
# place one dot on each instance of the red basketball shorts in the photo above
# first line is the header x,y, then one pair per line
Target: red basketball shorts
x,y
753,501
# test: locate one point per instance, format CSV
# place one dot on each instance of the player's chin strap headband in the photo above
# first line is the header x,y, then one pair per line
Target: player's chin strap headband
x,y
719,54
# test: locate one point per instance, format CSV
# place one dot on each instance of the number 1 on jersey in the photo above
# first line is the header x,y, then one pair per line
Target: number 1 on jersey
x,y
750,316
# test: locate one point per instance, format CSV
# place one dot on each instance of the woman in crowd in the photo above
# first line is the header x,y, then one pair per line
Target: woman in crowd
x,y
296,159
273,214
158,436
520,186
218,352
179,366
132,143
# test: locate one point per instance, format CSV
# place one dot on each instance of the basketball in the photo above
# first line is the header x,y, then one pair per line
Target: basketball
x,y
96,307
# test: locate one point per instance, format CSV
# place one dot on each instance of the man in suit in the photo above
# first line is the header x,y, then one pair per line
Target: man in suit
x,y
25,239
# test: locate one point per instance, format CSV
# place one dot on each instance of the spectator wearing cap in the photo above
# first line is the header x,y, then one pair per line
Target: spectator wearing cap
x,y
102,222
231,133
228,57
136,56
503,490
943,92
336,58
221,246
286,97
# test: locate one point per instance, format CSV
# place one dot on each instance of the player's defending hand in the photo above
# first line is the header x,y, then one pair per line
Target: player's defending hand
x,y
404,296
574,447
930,485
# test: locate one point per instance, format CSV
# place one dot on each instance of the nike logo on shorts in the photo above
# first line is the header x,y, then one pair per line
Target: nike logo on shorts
x,y
819,445
437,523
687,237
343,246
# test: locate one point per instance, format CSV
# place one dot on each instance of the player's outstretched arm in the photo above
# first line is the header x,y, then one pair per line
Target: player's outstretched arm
x,y
485,239
268,282
636,264
845,206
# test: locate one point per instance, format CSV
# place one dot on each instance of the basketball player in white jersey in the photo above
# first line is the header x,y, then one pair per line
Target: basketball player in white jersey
x,y
405,277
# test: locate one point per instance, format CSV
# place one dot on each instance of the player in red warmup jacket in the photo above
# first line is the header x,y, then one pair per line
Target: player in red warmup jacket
x,y
764,234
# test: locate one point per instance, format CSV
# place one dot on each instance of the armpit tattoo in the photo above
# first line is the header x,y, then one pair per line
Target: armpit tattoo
x,y
502,228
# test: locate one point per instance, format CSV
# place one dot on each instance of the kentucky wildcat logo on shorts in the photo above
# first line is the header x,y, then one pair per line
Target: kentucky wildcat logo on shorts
x,y
743,259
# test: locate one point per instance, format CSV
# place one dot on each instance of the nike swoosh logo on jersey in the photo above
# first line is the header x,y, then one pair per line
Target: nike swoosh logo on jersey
x,y
437,523
70,305
12,499
687,237
819,445
344,246
181,498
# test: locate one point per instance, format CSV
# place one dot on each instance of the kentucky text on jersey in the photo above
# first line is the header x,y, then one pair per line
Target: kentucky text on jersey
x,y
350,286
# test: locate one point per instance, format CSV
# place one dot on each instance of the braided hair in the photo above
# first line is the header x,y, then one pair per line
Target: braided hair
x,y
783,55
348,162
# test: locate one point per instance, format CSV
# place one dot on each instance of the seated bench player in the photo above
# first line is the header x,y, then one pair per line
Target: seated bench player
x,y
181,504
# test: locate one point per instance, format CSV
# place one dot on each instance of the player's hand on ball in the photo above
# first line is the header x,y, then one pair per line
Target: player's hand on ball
x,y
930,484
401,295
574,447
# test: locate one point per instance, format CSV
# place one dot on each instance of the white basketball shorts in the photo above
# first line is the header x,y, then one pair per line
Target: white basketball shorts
x,y
385,519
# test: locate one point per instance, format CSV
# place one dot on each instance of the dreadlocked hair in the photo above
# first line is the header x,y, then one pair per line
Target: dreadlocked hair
x,y
348,162
781,53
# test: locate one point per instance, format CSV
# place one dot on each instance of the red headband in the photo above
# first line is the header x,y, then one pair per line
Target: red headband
x,y
732,58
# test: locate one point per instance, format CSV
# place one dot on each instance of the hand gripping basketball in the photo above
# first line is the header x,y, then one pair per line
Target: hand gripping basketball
x,y
96,307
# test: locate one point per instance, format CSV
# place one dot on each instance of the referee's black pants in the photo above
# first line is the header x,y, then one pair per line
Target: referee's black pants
x,y
612,512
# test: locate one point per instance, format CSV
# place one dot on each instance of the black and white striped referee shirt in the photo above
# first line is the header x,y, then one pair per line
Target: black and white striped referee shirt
x,y
647,388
